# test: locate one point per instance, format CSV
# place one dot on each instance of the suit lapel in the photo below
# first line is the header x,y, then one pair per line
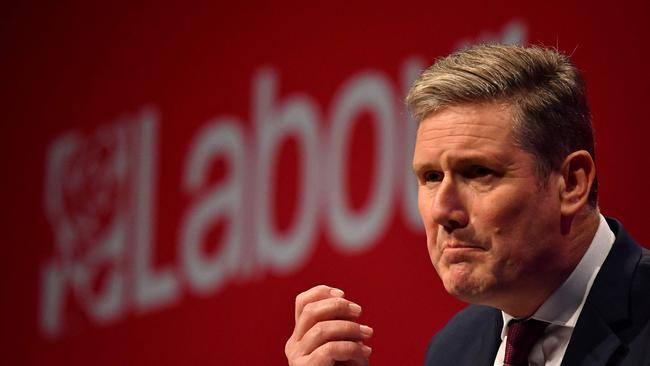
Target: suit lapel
x,y
490,344
597,342
594,340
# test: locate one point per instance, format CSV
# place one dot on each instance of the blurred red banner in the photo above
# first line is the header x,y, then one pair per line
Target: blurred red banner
x,y
175,176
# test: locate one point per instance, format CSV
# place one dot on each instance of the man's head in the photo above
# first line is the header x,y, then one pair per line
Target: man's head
x,y
503,157
551,116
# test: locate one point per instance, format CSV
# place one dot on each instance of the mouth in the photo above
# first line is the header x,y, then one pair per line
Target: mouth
x,y
454,245
455,251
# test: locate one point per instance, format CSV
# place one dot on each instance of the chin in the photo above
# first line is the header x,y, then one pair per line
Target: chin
x,y
465,287
463,292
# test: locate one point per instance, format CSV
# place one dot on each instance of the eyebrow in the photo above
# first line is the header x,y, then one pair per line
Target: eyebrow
x,y
417,168
474,158
461,160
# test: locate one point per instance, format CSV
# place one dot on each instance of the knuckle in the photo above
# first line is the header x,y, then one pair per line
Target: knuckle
x,y
300,297
294,352
309,309
339,349
318,330
345,349
321,288
341,304
328,349
287,349
314,290
351,327
317,357
348,347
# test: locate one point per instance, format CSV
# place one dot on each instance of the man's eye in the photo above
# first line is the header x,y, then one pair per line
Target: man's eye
x,y
478,171
432,176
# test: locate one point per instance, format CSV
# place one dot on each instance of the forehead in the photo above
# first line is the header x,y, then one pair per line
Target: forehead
x,y
466,129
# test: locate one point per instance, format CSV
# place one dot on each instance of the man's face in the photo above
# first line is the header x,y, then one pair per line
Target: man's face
x,y
490,224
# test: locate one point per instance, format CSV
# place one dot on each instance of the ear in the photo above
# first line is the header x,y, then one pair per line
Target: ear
x,y
578,173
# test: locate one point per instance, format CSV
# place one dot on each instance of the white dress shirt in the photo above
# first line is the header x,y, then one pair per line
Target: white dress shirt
x,y
563,307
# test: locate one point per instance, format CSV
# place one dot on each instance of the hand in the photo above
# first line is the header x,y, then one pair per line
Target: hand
x,y
326,330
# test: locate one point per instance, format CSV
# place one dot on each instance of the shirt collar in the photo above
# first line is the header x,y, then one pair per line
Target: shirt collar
x,y
564,305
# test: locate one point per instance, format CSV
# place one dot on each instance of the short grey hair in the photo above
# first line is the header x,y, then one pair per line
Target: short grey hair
x,y
547,93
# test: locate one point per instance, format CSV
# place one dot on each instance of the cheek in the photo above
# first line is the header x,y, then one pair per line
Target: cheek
x,y
499,218
424,207
423,201
430,228
432,235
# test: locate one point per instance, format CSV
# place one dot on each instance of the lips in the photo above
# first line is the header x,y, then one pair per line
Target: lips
x,y
453,253
454,245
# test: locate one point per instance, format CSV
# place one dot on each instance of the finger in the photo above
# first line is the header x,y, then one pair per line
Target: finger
x,y
327,309
330,352
334,330
316,293
351,363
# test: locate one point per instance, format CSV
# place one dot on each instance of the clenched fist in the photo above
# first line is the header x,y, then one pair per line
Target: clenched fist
x,y
326,330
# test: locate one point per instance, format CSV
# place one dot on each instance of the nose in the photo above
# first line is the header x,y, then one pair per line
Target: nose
x,y
448,207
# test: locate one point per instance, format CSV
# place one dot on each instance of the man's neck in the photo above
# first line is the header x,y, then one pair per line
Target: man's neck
x,y
582,233
575,243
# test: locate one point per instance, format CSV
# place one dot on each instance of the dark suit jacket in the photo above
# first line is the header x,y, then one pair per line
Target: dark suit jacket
x,y
613,327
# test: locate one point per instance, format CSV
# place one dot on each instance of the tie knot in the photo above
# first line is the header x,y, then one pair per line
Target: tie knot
x,y
522,335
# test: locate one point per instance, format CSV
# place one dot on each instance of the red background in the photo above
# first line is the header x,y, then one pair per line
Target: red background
x,y
79,66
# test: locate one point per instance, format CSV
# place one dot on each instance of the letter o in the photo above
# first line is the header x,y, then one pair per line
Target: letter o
x,y
356,231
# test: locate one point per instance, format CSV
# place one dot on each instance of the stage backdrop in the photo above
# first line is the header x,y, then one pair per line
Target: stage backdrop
x,y
172,176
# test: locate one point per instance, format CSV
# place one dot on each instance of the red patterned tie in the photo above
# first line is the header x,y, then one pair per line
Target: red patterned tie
x,y
522,335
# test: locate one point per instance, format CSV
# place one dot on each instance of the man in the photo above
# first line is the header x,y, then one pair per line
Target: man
x,y
504,159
